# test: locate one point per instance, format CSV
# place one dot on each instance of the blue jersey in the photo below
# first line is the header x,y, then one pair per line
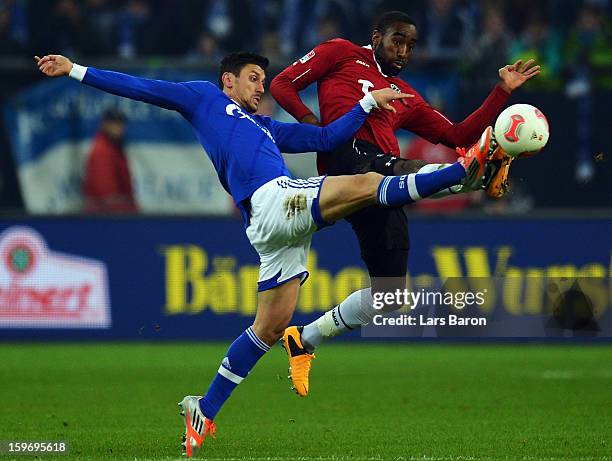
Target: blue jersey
x,y
244,148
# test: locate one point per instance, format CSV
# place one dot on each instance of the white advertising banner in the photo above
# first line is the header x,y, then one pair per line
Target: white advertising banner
x,y
41,288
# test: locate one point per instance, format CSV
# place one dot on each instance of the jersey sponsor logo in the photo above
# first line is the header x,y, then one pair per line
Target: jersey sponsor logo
x,y
359,61
365,86
40,288
307,57
234,110
511,134
395,88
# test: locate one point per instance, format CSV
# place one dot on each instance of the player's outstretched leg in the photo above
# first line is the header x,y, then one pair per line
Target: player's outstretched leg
x,y
348,194
343,195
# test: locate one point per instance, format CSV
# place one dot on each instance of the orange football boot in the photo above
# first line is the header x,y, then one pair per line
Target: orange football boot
x,y
474,159
496,182
299,360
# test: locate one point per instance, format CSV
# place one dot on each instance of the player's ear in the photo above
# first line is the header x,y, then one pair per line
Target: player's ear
x,y
228,80
376,38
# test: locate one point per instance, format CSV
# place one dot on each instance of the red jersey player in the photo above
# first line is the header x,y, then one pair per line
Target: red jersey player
x,y
344,72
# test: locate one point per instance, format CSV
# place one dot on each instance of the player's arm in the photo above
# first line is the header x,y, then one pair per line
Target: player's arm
x,y
183,97
437,128
301,137
285,87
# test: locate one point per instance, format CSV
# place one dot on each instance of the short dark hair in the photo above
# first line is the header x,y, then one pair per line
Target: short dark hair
x,y
389,18
234,62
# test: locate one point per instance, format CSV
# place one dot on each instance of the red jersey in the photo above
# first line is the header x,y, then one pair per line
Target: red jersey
x,y
345,72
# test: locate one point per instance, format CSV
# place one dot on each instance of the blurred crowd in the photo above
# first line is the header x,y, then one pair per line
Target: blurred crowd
x,y
570,37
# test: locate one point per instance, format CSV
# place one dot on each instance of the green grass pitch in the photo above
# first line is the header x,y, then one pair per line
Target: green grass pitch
x,y
367,401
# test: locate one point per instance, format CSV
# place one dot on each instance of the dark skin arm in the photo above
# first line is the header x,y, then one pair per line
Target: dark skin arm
x,y
310,119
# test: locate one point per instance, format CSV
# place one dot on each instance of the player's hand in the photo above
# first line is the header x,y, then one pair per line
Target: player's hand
x,y
311,120
514,75
386,96
54,65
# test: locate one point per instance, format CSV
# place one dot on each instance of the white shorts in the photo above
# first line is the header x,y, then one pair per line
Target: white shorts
x,y
284,214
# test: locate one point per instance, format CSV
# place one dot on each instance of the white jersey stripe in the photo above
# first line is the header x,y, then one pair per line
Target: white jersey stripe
x,y
444,117
300,76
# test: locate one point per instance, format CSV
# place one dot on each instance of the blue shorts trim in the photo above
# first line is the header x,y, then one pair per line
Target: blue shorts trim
x,y
315,210
273,282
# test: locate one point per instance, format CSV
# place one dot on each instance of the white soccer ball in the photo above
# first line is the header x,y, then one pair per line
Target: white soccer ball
x,y
521,129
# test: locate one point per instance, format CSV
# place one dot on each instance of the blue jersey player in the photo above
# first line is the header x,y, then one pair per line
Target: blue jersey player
x,y
280,213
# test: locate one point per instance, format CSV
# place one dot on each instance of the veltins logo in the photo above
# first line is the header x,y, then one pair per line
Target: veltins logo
x,y
40,288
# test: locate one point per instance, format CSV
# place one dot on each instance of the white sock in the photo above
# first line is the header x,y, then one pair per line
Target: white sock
x,y
355,311
457,189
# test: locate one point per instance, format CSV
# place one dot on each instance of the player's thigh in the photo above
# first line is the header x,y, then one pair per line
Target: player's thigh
x,y
384,240
341,196
275,308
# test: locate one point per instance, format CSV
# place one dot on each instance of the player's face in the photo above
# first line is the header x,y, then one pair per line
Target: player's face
x,y
393,49
249,87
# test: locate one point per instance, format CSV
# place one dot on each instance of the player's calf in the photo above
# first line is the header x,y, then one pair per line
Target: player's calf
x,y
275,308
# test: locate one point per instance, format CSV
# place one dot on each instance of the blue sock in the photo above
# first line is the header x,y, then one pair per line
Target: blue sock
x,y
241,357
400,190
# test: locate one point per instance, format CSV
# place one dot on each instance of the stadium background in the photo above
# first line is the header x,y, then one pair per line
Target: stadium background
x,y
182,269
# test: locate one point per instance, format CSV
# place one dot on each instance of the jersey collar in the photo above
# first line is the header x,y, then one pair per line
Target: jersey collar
x,y
369,47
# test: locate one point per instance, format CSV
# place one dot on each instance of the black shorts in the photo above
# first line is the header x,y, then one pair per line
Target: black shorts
x,y
382,232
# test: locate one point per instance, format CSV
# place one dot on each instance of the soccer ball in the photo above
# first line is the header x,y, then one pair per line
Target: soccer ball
x,y
521,129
